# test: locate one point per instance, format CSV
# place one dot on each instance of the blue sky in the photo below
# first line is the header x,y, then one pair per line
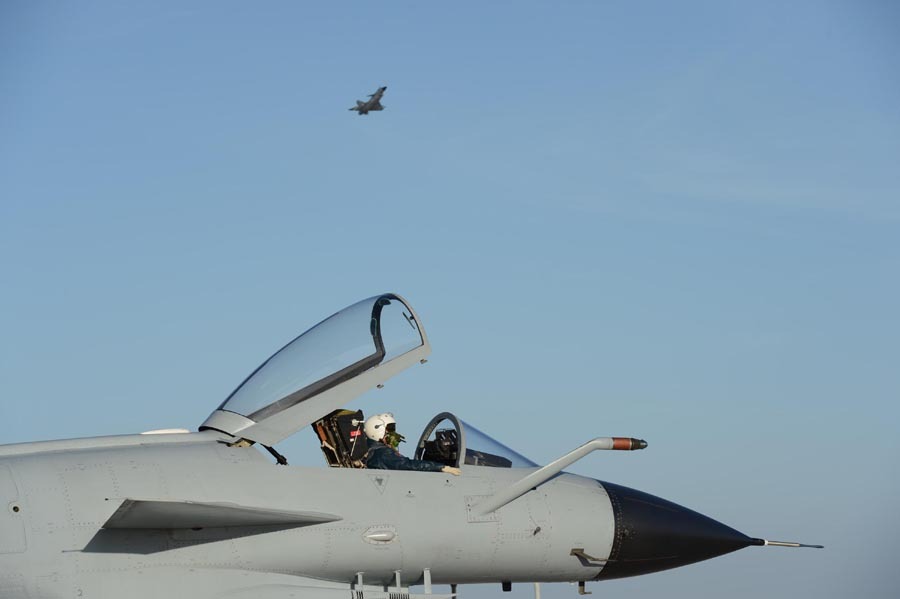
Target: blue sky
x,y
673,221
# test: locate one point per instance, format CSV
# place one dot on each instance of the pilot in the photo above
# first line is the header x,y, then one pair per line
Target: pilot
x,y
383,439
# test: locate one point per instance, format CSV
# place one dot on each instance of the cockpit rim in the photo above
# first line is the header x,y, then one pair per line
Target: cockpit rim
x,y
430,428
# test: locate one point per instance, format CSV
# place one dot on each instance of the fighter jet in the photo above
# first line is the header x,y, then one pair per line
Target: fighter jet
x,y
210,514
373,103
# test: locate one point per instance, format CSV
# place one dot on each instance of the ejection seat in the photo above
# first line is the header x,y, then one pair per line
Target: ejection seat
x,y
342,438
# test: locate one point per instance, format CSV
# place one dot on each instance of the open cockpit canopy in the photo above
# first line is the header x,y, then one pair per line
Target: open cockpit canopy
x,y
340,358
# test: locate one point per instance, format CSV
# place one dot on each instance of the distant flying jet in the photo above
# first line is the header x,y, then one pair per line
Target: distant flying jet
x,y
373,103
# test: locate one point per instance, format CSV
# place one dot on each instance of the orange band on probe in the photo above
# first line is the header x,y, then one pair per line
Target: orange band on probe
x,y
622,443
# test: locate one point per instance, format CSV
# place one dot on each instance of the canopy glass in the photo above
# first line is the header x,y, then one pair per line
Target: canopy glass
x,y
346,344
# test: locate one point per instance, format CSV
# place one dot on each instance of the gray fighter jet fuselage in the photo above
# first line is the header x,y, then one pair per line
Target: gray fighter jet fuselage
x,y
373,103
207,514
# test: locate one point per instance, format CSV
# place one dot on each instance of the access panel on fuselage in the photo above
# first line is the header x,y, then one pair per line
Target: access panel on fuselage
x,y
12,527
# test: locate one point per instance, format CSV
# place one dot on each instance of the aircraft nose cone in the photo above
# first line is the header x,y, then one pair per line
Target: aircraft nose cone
x,y
652,534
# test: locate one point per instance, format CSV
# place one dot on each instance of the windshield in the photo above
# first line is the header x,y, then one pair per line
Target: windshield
x,y
340,347
482,450
446,439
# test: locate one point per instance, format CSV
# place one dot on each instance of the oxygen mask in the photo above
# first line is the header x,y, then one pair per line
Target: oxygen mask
x,y
392,438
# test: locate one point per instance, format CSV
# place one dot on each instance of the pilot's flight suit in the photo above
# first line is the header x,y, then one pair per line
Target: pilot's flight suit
x,y
384,457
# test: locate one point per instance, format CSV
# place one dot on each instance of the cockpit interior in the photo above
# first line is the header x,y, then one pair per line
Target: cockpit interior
x,y
446,440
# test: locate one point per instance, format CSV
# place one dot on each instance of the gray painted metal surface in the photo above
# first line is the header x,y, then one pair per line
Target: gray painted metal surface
x,y
69,498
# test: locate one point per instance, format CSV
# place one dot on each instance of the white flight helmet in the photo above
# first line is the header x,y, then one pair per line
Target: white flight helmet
x,y
376,426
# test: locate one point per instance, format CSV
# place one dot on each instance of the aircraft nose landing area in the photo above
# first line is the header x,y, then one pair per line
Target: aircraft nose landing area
x,y
653,534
